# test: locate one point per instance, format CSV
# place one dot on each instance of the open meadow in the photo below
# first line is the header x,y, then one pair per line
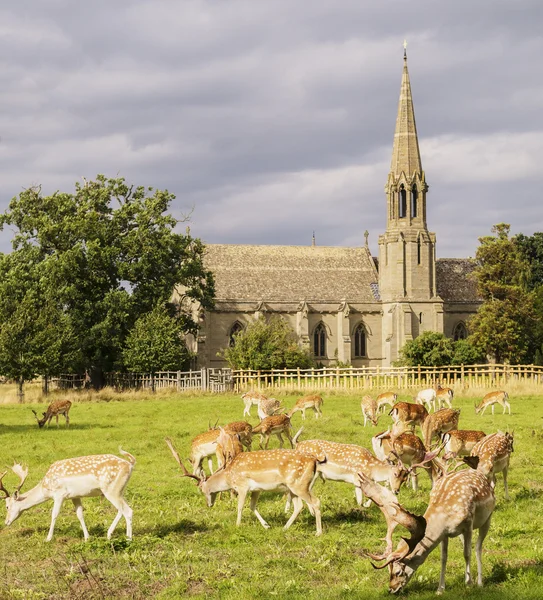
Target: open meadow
x,y
182,548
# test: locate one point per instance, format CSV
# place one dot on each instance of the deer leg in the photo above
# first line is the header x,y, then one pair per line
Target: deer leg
x,y
444,553
483,530
483,411
57,419
54,514
122,510
210,464
466,540
312,503
254,499
242,494
67,420
79,512
508,406
289,437
288,502
415,480
492,409
280,438
505,482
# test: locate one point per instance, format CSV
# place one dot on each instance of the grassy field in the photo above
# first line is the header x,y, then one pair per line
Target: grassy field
x,y
181,548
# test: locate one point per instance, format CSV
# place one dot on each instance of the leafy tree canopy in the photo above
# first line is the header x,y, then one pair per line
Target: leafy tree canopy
x,y
266,344
433,349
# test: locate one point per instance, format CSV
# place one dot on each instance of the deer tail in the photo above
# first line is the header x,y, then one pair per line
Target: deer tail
x,y
129,457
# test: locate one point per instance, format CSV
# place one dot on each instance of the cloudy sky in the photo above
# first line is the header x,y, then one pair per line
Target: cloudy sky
x,y
269,119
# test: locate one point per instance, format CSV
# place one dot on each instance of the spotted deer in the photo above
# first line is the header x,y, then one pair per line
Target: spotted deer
x,y
56,408
386,398
345,461
243,429
263,470
491,455
313,401
250,399
275,425
75,478
438,423
228,447
460,502
491,399
426,397
369,408
269,407
444,395
460,442
408,415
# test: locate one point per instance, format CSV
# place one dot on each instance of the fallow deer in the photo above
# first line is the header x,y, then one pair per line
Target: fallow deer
x,y
408,415
459,503
460,442
444,395
228,447
75,478
386,398
438,423
426,397
491,399
243,429
274,425
345,461
263,470
203,446
269,407
250,398
56,408
313,401
369,408
491,456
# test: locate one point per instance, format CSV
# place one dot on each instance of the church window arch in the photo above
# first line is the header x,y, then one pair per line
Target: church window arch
x,y
319,341
460,332
402,204
414,199
360,341
236,328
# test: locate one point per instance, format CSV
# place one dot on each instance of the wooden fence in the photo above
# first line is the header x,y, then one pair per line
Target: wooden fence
x,y
213,380
398,378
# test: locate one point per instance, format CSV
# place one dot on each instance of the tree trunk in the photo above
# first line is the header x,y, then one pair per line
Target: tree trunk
x,y
20,391
45,385
97,378
153,382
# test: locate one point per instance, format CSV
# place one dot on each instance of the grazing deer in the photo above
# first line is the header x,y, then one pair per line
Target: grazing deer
x,y
444,395
228,447
459,503
369,410
243,429
313,401
263,470
460,442
493,398
268,407
405,447
438,423
386,398
405,414
250,398
75,478
274,425
56,408
345,461
491,456
427,397
203,446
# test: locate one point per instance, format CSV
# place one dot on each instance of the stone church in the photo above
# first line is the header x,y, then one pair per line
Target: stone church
x,y
343,303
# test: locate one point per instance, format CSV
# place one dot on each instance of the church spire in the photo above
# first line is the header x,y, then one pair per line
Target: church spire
x,y
405,152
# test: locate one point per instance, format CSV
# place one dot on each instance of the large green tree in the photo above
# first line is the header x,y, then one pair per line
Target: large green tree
x,y
503,326
266,344
108,253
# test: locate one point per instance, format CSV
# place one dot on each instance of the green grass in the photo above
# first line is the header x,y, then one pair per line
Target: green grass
x,y
182,548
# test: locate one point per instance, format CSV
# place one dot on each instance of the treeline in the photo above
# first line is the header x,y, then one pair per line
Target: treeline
x,y
88,284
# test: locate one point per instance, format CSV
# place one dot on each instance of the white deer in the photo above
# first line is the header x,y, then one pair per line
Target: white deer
x,y
75,478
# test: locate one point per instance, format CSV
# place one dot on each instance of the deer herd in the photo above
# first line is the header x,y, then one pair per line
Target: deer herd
x,y
461,466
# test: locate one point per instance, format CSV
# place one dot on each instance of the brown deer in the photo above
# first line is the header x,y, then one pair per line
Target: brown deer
x,y
408,415
491,399
460,442
369,408
438,423
263,470
228,447
243,429
313,401
56,408
491,456
268,407
459,503
75,478
250,398
274,425
386,398
444,395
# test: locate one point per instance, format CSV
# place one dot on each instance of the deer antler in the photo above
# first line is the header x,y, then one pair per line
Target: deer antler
x,y
2,488
22,473
179,461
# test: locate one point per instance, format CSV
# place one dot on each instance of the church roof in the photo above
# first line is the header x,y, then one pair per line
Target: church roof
x,y
454,281
405,151
318,274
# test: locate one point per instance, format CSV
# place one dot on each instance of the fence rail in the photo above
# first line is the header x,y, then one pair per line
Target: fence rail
x,y
349,378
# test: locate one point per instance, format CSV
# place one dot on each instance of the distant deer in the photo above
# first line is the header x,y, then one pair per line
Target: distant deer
x,y
444,395
386,398
75,478
493,398
369,408
250,399
313,401
56,408
274,425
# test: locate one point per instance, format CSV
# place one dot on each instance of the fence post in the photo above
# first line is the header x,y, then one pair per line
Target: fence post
x,y
203,371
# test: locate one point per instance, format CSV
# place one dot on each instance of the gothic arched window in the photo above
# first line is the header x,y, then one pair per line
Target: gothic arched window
x,y
319,341
360,349
460,332
234,330
414,198
402,208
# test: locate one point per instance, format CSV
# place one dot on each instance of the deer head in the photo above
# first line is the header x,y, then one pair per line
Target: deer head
x,y
13,507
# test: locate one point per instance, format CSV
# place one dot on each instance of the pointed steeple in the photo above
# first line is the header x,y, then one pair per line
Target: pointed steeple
x,y
405,152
